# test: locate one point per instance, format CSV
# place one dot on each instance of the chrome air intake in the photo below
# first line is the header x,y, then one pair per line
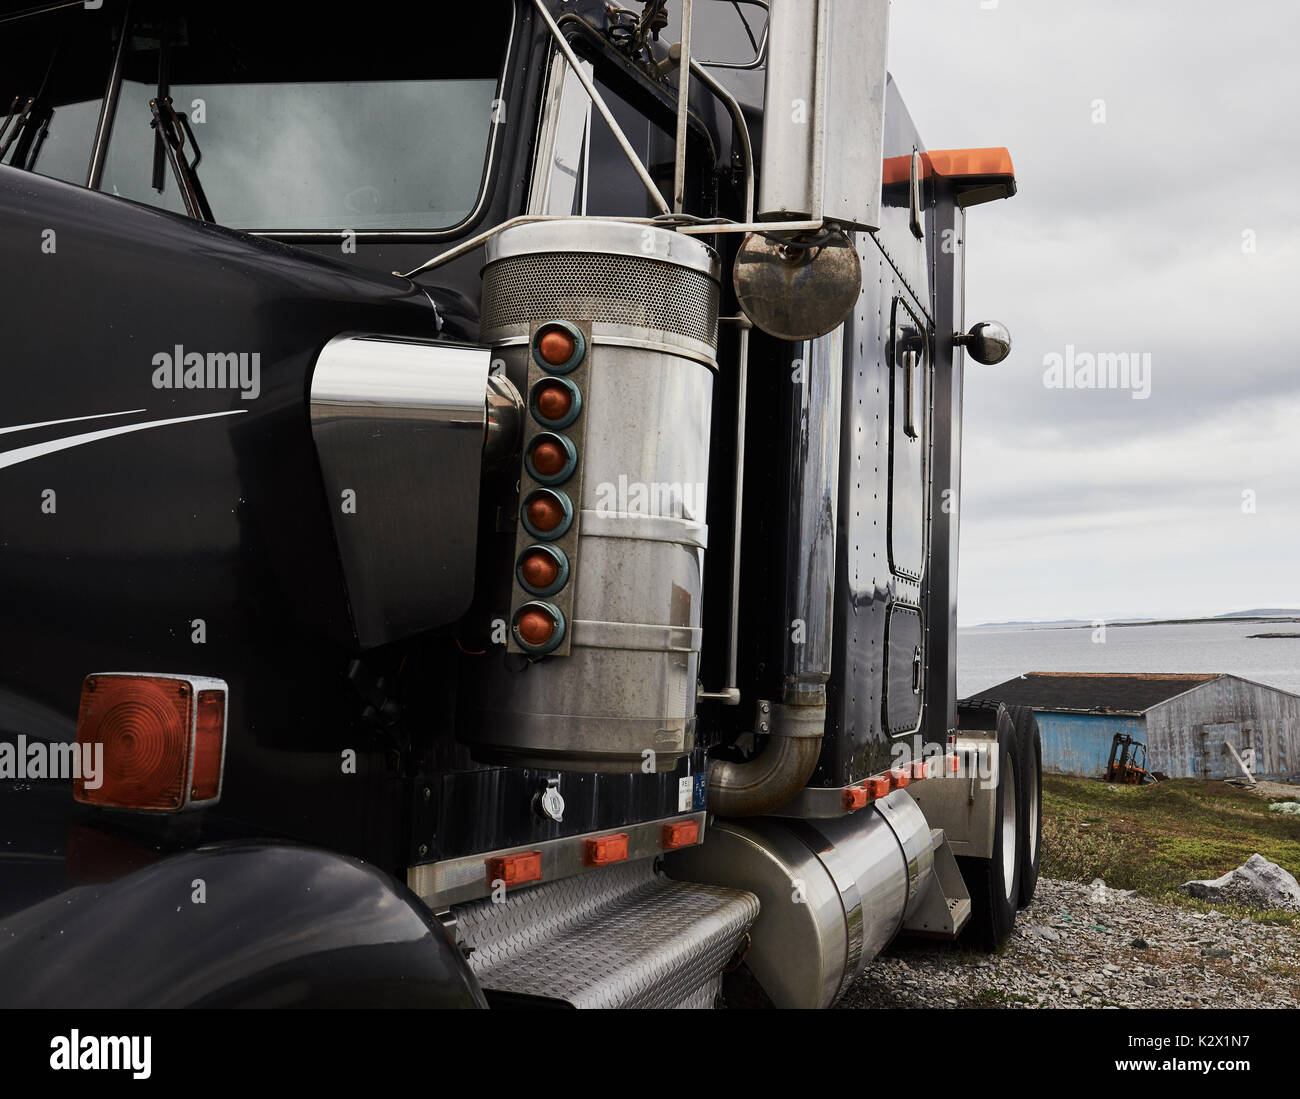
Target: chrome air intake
x,y
403,428
603,656
832,893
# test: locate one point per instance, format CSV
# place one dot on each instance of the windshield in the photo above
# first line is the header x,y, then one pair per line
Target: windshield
x,y
290,124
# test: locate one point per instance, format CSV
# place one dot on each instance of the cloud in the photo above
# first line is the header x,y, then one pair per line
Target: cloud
x,y
1130,234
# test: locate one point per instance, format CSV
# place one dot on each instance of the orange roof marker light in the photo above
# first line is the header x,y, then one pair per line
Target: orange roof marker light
x,y
854,798
898,778
979,175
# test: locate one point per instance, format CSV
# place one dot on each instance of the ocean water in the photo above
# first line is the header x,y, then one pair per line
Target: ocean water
x,y
988,655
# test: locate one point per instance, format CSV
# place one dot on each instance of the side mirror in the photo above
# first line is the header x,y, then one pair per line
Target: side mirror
x,y
987,342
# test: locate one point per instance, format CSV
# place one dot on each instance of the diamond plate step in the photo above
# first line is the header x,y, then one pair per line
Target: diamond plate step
x,y
624,936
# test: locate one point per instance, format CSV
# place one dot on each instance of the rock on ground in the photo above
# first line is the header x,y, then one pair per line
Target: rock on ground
x,y
1257,883
1091,946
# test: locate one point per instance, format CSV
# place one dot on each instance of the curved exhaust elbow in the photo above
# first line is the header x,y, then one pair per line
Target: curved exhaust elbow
x,y
773,777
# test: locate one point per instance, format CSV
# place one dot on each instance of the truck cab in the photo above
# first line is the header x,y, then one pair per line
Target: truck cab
x,y
487,494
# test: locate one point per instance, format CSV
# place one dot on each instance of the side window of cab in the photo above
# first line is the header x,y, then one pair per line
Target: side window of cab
x,y
580,168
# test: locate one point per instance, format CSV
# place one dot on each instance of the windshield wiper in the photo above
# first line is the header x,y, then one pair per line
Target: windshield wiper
x,y
31,126
175,128
19,125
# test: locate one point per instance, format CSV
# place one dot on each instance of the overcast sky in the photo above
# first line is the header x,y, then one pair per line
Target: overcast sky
x,y
1167,229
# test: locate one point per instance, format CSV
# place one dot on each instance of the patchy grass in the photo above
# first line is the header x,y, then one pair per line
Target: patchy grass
x,y
996,997
1154,838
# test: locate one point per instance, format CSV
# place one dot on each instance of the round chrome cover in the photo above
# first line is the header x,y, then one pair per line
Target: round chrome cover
x,y
988,342
1009,813
798,291
1034,823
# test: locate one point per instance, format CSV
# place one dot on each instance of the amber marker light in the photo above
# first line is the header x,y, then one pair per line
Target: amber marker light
x,y
681,833
542,570
877,787
555,402
551,458
558,347
605,850
513,870
547,514
539,627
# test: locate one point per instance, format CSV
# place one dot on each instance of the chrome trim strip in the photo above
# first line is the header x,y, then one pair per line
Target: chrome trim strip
x,y
636,637
608,236
653,528
683,107
452,881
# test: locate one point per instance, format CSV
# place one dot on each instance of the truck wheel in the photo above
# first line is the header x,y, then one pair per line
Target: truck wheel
x,y
1031,799
994,883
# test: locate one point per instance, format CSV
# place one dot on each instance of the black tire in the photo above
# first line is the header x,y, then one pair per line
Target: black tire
x,y
994,883
1031,799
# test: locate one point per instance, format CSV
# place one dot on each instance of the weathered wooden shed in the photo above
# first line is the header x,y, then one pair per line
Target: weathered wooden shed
x,y
1186,721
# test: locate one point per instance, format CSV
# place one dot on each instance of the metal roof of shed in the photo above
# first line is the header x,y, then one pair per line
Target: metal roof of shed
x,y
1094,692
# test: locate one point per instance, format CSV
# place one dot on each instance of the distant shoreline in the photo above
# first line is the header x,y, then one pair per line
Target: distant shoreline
x,y
1219,620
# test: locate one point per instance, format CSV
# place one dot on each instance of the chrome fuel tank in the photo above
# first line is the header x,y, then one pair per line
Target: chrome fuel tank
x,y
604,631
832,893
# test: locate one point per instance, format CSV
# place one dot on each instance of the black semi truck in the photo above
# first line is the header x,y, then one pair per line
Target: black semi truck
x,y
479,507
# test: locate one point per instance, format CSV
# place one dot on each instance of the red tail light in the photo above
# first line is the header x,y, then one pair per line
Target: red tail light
x,y
162,736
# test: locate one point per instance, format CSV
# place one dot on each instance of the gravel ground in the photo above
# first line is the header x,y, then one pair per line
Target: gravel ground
x,y
1090,946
